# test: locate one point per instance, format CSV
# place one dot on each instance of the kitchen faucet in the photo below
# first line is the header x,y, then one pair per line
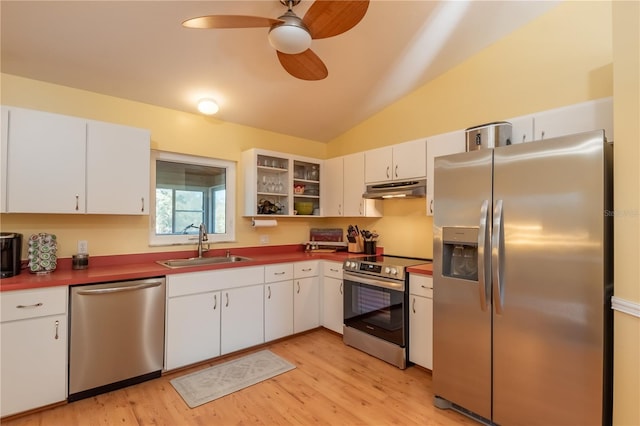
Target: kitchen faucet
x,y
202,236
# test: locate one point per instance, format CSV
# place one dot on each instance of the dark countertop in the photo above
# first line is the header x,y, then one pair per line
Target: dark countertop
x,y
138,266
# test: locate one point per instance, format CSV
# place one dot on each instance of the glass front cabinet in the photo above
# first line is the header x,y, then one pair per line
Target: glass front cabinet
x,y
278,184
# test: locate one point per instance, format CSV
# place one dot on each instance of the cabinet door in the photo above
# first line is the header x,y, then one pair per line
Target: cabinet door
x,y
334,182
421,331
242,318
521,129
354,187
46,163
118,159
33,363
306,306
278,310
582,117
3,158
193,329
378,164
332,312
410,160
444,144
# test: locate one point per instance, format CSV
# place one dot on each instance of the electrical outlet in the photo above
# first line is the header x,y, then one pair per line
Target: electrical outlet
x,y
83,247
264,239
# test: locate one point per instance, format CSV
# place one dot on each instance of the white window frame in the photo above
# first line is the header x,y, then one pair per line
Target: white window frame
x,y
230,205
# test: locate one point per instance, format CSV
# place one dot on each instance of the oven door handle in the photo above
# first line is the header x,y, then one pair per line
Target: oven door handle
x,y
373,282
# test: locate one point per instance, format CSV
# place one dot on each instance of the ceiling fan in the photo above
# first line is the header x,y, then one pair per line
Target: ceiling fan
x,y
291,36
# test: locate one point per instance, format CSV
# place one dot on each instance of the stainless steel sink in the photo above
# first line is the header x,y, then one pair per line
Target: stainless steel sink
x,y
199,261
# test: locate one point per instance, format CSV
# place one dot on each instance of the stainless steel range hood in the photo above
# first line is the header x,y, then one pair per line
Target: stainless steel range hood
x,y
405,189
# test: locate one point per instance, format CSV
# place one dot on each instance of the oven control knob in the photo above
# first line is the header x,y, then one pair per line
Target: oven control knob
x,y
393,271
347,264
387,270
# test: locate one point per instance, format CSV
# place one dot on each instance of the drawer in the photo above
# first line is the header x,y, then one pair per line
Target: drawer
x,y
305,269
206,281
22,304
332,269
279,272
421,285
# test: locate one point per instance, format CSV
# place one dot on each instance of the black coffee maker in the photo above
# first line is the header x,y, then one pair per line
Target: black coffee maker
x,y
11,247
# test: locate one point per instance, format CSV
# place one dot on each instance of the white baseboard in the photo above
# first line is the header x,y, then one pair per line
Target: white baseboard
x,y
626,306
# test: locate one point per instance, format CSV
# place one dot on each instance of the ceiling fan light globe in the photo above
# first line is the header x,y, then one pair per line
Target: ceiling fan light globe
x,y
290,39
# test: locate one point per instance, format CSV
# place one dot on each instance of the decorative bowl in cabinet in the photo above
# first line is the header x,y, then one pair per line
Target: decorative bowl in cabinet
x,y
303,207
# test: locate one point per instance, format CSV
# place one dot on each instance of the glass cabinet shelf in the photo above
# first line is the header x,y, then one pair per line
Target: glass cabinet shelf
x,y
276,182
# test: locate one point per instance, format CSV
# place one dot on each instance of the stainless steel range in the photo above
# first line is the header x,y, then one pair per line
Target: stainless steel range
x,y
376,318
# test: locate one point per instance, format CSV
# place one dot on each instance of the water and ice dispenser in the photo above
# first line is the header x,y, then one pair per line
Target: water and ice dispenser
x,y
460,253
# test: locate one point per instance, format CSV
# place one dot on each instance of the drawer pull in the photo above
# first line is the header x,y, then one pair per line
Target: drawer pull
x,y
334,270
35,305
57,325
279,273
307,269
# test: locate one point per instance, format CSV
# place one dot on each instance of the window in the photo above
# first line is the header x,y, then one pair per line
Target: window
x,y
189,191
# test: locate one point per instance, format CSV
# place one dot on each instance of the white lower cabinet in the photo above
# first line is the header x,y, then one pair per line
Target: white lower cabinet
x,y
34,349
278,301
212,313
306,296
332,296
241,318
421,320
193,329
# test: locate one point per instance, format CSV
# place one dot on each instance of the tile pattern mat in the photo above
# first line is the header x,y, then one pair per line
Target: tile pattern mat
x,y
220,380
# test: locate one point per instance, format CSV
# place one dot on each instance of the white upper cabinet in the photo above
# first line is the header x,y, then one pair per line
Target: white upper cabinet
x,y
354,187
46,162
521,129
3,158
334,186
61,164
407,160
444,144
576,118
343,188
281,184
117,169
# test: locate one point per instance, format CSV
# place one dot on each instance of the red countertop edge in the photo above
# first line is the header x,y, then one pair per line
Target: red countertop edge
x,y
138,266
425,269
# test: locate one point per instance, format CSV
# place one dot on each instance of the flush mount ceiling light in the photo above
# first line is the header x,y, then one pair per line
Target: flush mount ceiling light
x,y
208,106
291,36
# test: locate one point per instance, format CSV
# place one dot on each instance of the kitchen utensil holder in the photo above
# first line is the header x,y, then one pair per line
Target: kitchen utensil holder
x,y
370,247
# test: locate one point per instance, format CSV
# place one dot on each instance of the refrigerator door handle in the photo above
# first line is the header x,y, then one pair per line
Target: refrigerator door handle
x,y
483,267
497,255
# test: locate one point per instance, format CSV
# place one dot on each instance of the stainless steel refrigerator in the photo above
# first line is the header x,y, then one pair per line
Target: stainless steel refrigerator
x,y
523,280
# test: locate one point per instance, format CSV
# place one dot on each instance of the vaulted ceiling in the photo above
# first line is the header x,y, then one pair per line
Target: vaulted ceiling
x,y
138,50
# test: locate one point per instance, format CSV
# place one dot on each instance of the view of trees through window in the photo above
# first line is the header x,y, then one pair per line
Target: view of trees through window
x,y
188,195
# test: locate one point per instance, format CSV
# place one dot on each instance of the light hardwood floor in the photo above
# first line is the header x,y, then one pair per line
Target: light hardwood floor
x,y
332,384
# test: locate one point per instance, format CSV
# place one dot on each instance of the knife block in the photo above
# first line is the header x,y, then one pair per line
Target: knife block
x,y
357,247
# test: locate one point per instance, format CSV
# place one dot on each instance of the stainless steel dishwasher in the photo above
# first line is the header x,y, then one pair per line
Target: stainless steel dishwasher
x,y
116,335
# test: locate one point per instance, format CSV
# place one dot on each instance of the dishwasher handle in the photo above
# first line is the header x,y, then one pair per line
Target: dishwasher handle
x,y
119,289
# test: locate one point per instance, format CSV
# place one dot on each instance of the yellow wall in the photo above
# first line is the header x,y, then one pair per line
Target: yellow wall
x,y
564,57
170,131
626,91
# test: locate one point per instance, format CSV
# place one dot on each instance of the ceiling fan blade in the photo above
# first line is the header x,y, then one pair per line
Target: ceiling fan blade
x,y
229,21
305,66
330,18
